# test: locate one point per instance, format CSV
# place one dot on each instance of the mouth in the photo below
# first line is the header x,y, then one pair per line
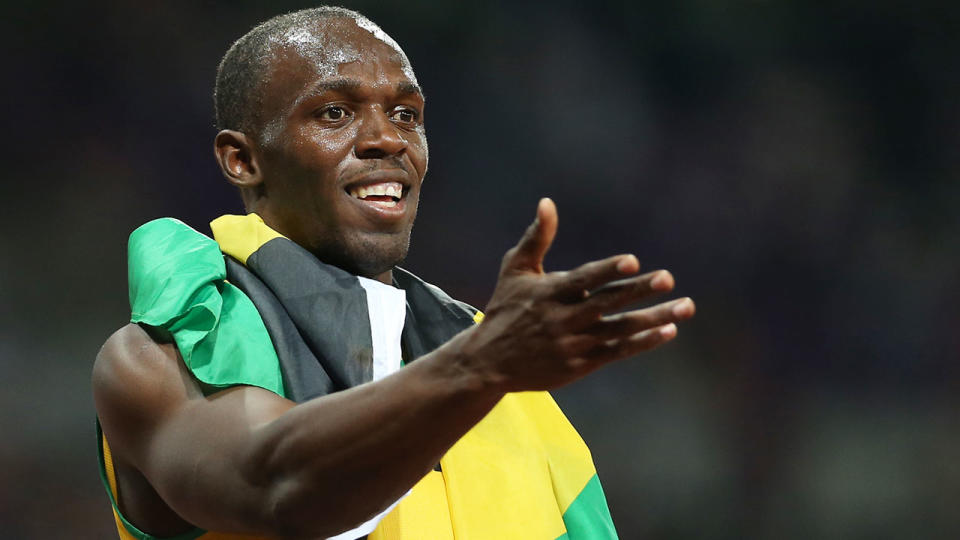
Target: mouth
x,y
379,194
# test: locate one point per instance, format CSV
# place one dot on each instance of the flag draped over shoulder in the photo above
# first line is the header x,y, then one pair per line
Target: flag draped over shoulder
x,y
270,314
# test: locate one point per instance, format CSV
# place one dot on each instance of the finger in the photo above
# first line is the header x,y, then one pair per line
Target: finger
x,y
618,294
626,324
576,283
533,246
613,350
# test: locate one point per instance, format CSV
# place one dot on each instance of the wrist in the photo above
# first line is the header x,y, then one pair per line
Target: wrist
x,y
457,365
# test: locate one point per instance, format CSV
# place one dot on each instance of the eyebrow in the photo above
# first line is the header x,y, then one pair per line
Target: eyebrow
x,y
336,85
403,88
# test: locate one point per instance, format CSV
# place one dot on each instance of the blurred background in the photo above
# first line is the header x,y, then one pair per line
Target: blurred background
x,y
795,165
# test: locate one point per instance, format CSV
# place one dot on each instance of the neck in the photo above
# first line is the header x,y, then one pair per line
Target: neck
x,y
386,277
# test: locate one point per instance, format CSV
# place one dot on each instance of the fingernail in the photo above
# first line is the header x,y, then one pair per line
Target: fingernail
x,y
668,330
628,265
682,308
662,281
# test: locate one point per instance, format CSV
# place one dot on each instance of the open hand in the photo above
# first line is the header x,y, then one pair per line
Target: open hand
x,y
546,329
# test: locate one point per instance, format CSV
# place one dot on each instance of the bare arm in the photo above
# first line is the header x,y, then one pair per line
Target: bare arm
x,y
247,460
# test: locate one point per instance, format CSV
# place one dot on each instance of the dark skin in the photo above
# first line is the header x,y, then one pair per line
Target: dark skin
x,y
342,125
246,460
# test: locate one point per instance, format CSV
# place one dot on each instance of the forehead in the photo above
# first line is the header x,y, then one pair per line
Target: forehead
x,y
326,48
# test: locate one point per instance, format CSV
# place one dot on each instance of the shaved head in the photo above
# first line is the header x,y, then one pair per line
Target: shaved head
x,y
316,34
321,128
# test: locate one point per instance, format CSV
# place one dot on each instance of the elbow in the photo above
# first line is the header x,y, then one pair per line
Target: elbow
x,y
294,510
305,493
292,504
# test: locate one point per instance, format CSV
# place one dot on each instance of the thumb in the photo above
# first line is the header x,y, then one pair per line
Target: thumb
x,y
536,241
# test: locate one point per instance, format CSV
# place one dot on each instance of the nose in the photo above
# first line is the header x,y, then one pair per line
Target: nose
x,y
378,137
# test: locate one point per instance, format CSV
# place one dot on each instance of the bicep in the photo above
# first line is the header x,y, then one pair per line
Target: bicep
x,y
200,453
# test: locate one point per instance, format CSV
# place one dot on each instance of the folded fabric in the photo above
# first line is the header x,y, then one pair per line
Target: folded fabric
x,y
272,315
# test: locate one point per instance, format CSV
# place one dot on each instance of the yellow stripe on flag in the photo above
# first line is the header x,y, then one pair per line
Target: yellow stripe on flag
x,y
423,514
240,236
503,477
571,465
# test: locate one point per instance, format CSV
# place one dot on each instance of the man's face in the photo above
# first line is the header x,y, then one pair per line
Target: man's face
x,y
344,149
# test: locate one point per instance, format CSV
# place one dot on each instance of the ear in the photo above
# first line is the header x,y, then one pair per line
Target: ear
x,y
237,159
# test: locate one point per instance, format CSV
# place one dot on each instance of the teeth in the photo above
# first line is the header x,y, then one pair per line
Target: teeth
x,y
389,189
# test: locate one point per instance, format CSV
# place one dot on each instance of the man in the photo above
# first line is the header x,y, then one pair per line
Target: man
x,y
207,403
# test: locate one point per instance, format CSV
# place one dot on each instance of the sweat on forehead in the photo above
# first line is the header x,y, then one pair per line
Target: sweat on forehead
x,y
326,36
329,43
324,48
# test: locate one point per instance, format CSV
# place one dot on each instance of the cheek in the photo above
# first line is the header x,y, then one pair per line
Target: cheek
x,y
319,156
331,146
419,150
306,171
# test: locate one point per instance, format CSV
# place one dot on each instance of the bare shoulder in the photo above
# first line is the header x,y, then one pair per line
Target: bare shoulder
x,y
135,362
137,379
160,425
125,348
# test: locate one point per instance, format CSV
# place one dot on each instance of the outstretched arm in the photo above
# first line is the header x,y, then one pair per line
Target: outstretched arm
x,y
247,460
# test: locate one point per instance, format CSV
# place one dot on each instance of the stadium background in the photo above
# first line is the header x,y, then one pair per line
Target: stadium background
x,y
794,164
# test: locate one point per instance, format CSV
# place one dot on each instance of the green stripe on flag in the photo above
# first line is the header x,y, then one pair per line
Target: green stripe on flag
x,y
177,282
587,517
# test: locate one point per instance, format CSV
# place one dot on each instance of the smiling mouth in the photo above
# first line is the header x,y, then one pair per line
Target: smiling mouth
x,y
382,194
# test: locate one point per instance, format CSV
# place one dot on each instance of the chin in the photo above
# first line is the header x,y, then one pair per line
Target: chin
x,y
370,256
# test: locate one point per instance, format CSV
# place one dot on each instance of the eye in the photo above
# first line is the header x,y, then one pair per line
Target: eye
x,y
405,115
332,113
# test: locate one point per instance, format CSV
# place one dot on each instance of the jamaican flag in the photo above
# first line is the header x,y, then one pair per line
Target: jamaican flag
x,y
253,308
